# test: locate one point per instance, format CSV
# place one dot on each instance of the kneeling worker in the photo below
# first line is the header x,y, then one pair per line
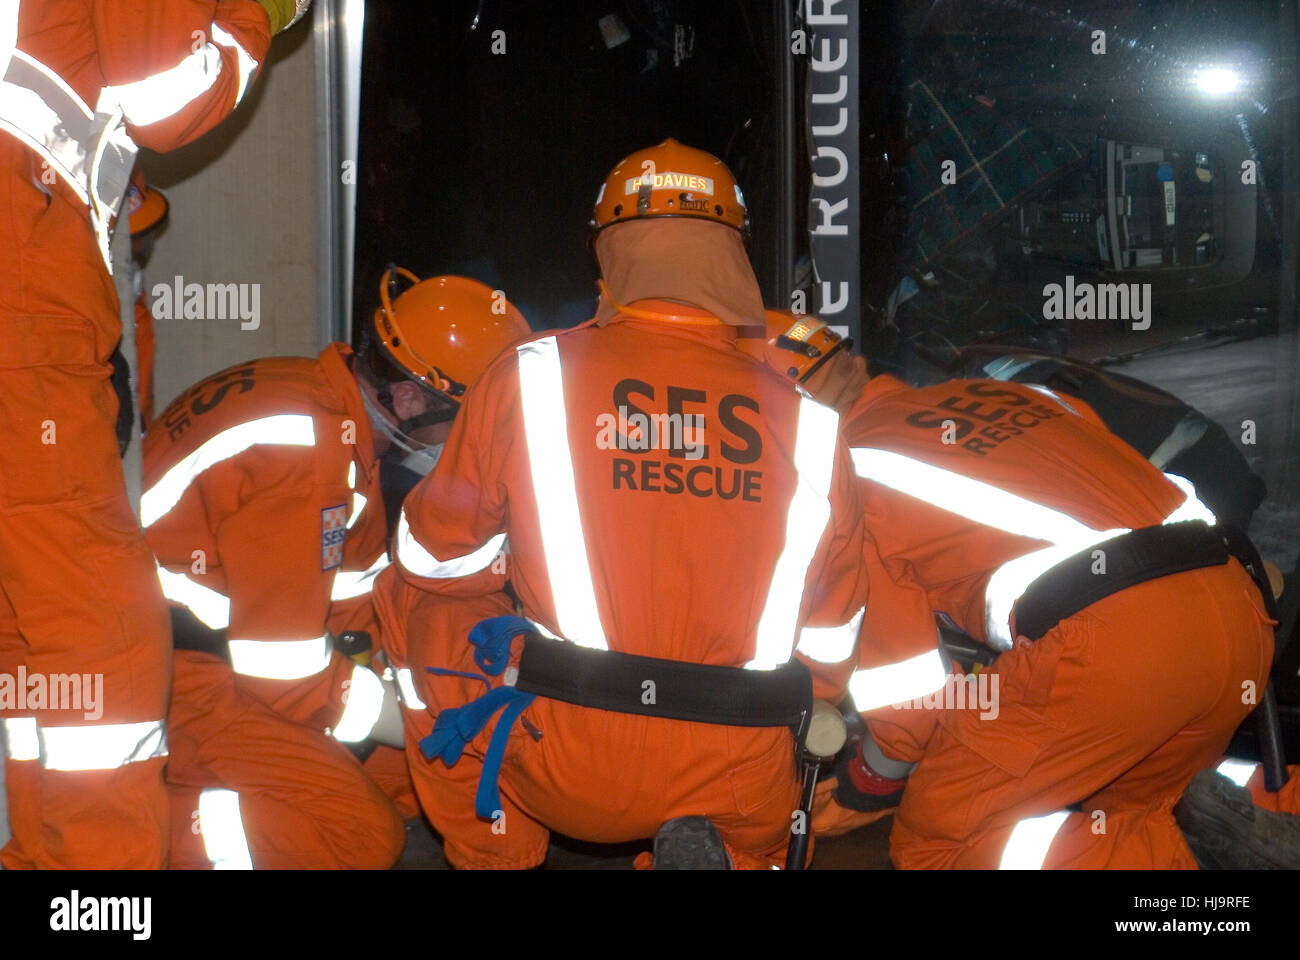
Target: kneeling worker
x,y
1130,635
263,505
685,544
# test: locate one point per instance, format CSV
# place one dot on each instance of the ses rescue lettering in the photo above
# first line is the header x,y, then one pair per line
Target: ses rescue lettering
x,y
985,418
76,913
683,436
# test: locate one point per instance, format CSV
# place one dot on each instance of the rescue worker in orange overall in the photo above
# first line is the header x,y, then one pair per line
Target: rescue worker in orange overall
x,y
1131,641
263,504
636,462
81,83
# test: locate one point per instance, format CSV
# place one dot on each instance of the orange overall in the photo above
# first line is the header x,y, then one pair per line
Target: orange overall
x,y
967,486
734,541
81,80
262,503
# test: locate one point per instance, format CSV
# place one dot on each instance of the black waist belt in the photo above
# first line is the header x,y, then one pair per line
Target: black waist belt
x,y
1131,558
191,633
648,686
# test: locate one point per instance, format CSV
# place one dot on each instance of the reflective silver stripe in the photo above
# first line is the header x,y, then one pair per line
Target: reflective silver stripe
x,y
287,429
806,518
20,738
91,151
1185,433
830,644
1238,771
110,171
1005,368
358,504
222,825
104,746
39,108
357,583
406,687
1052,395
546,433
280,659
1009,582
352,475
365,699
168,92
967,497
419,561
1192,508
210,607
983,503
898,682
541,628
244,61
885,766
1030,840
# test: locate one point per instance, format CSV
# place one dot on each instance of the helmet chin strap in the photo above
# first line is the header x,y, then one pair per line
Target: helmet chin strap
x,y
423,461
416,452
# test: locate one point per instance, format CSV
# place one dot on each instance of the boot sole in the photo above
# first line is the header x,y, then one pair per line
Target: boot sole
x,y
1226,831
690,843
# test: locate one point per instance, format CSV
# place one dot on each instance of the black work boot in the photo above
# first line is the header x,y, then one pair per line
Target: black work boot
x,y
1226,831
690,843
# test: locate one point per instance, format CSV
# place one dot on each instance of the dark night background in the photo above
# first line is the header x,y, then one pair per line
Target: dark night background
x,y
488,164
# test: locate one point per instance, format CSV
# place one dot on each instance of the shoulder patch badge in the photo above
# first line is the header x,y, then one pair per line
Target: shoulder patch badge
x,y
333,530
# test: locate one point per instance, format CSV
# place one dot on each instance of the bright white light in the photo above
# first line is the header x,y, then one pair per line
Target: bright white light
x,y
1217,81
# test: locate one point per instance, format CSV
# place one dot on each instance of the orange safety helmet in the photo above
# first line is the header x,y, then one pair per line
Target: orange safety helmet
x,y
671,180
444,331
145,206
795,346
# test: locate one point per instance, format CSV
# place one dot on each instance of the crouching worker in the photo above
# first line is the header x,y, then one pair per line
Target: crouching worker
x,y
1129,635
685,545
263,505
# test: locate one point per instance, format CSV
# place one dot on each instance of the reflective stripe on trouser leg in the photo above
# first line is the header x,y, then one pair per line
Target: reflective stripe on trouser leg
x,y
365,700
280,659
223,830
104,746
408,695
21,741
1030,840
550,460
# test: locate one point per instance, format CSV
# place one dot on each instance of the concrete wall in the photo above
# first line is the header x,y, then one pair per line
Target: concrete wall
x,y
243,210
